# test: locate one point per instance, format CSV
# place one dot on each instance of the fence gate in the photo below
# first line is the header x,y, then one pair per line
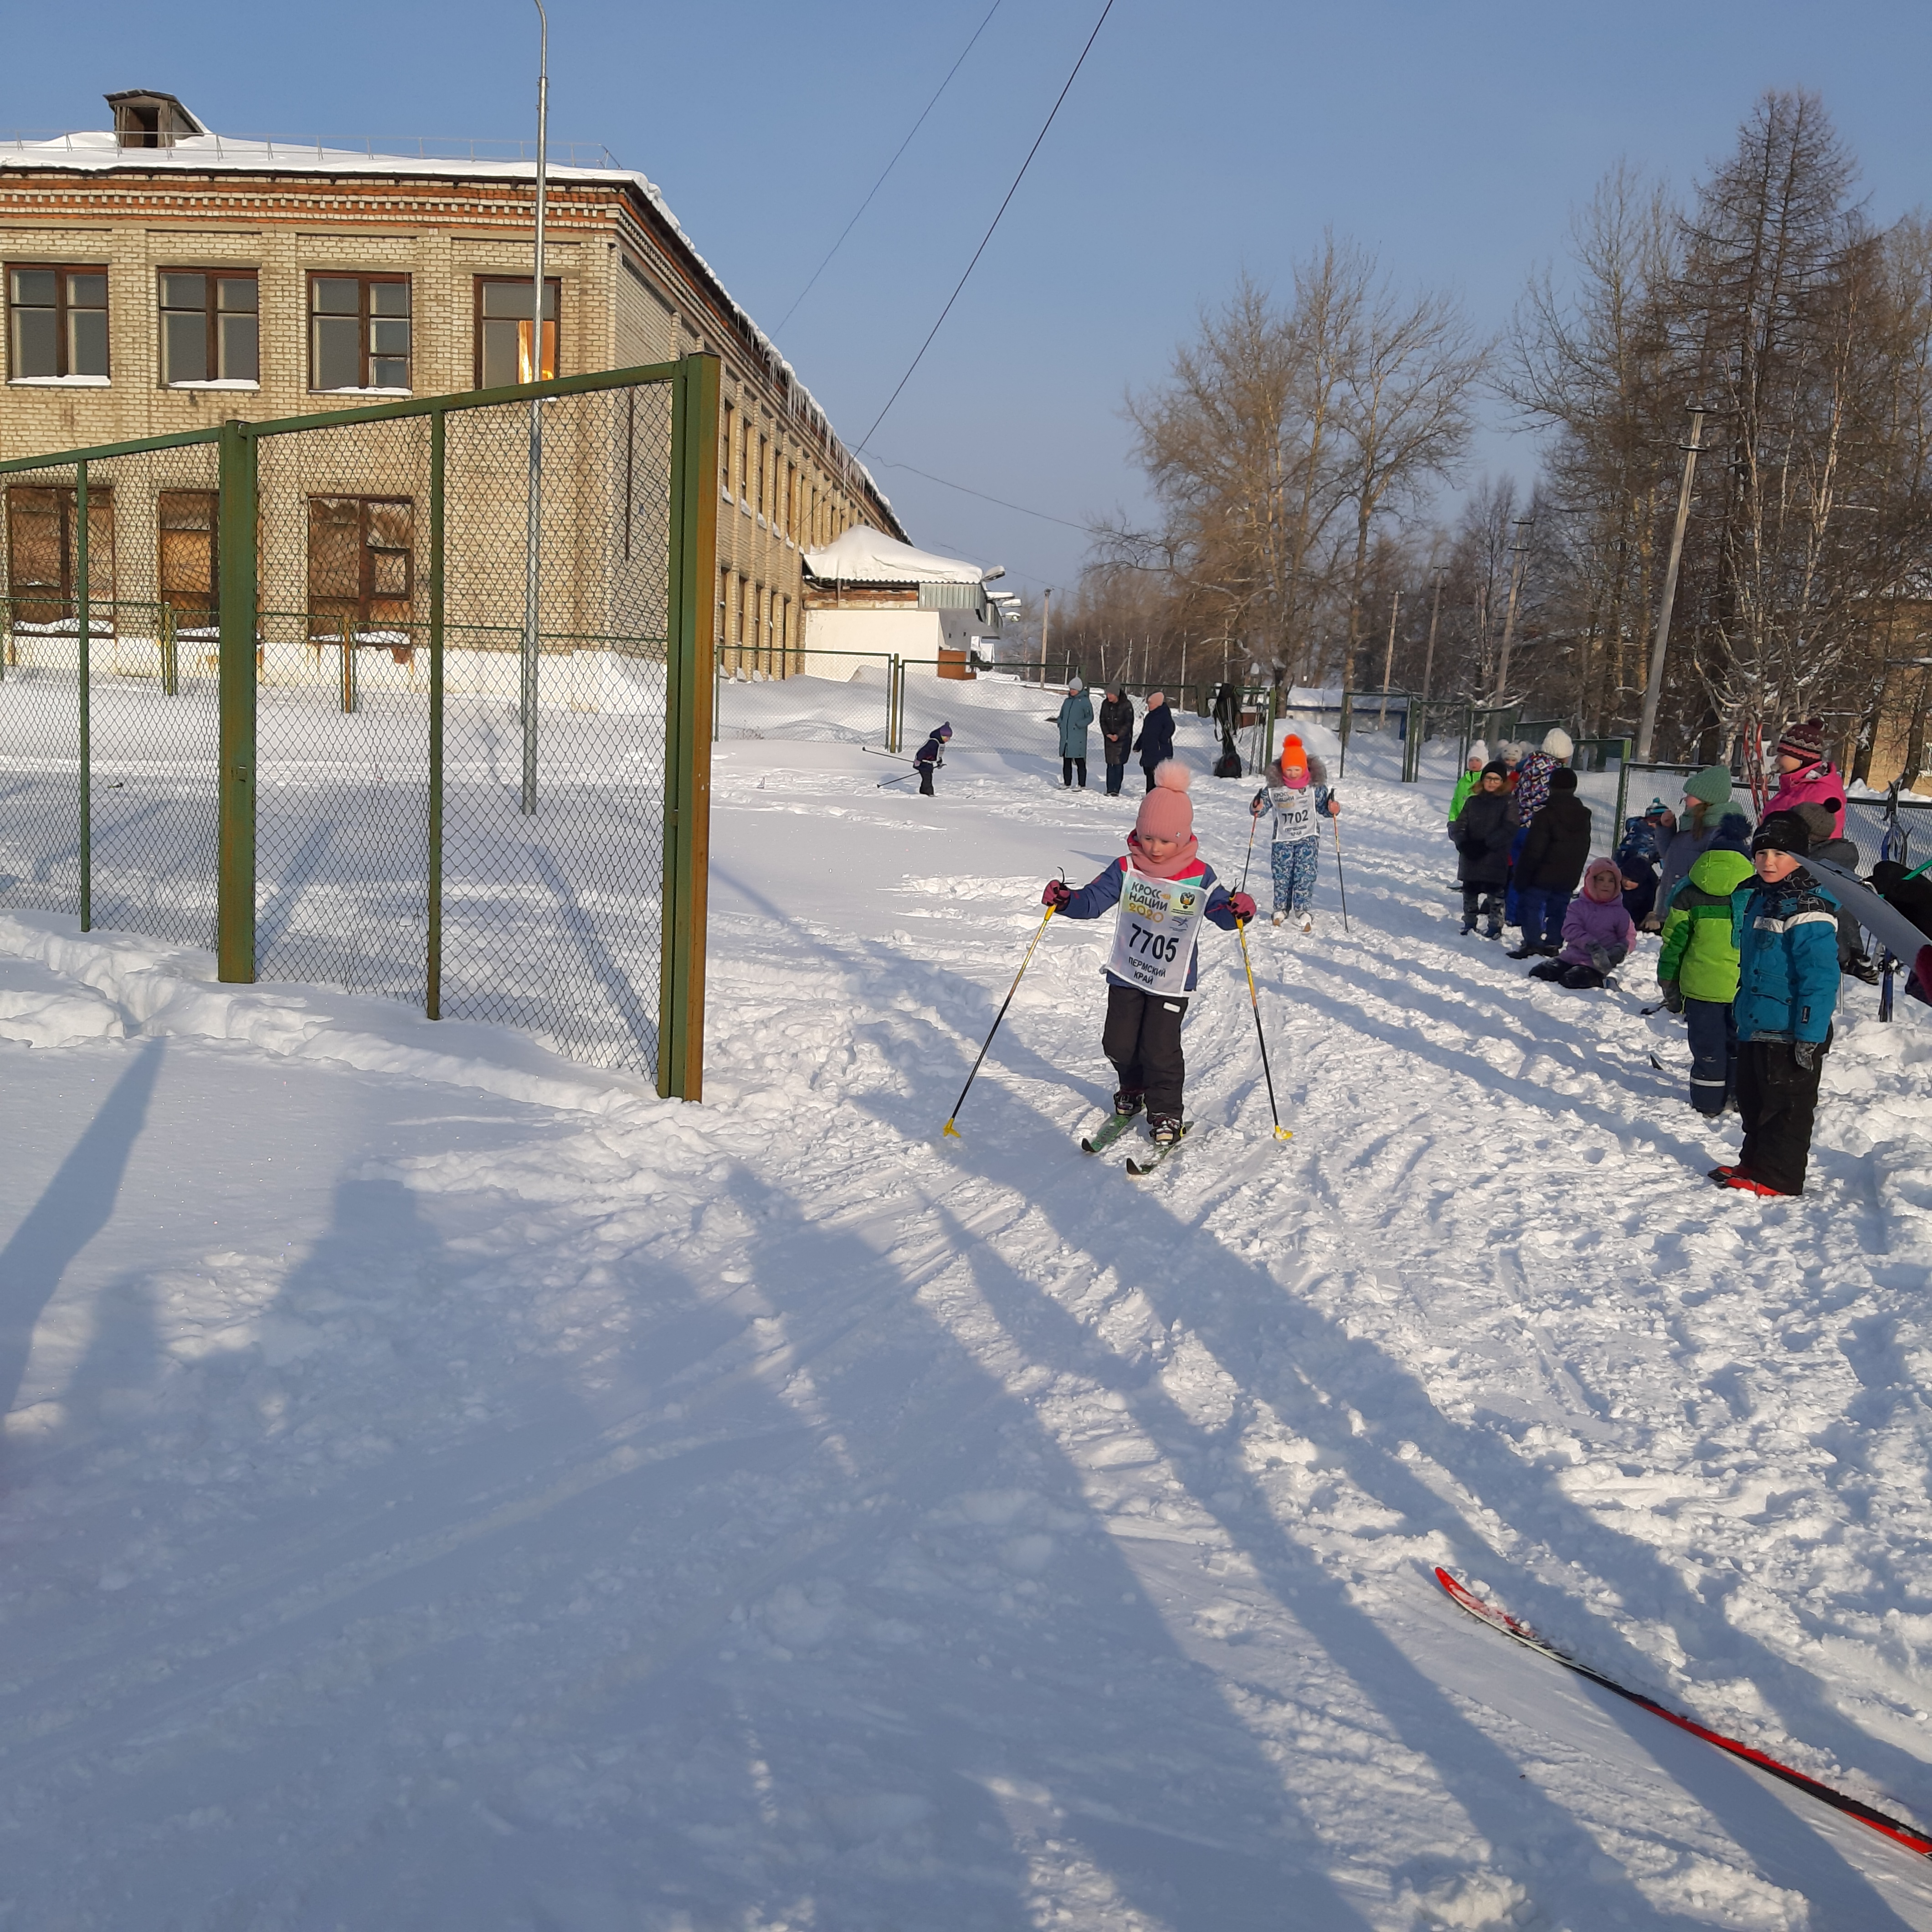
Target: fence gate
x,y
301,691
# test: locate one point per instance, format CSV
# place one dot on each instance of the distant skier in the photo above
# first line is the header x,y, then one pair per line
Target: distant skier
x,y
1156,742
929,758
1697,968
1117,735
1296,786
1164,890
1075,720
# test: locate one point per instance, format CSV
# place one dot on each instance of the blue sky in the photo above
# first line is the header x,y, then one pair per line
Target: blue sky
x,y
1198,140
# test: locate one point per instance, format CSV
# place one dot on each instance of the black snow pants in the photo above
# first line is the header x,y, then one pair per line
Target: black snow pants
x,y
1777,1098
1143,1040
925,780
1068,767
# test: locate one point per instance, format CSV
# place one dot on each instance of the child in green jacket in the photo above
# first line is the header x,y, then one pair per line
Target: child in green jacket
x,y
1698,968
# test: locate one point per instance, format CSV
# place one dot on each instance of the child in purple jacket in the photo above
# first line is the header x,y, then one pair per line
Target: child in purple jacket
x,y
1598,933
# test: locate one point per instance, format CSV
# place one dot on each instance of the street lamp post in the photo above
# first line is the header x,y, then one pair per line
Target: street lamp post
x,y
1520,550
533,529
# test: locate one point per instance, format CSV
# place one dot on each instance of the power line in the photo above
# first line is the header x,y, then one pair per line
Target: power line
x,y
889,166
989,235
1089,529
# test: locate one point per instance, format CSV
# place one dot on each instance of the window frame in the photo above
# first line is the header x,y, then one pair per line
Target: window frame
x,y
62,272
212,313
364,279
725,446
368,594
553,285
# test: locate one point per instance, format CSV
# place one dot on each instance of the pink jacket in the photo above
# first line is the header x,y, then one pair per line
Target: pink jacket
x,y
1811,784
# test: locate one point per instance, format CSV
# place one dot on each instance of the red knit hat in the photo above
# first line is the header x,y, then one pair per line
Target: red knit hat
x,y
1805,741
1167,812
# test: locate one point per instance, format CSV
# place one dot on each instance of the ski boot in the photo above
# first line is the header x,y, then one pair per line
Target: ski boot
x,y
1128,1101
1164,1129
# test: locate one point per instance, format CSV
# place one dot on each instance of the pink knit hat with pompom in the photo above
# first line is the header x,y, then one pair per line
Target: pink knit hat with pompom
x,y
1167,812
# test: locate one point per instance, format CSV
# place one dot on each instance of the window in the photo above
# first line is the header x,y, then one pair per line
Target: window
x,y
744,585
57,323
724,600
43,556
503,331
764,450
191,579
358,332
791,501
361,564
745,463
725,447
211,331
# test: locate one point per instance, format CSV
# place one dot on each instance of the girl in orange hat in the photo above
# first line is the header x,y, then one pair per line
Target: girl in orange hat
x,y
1296,786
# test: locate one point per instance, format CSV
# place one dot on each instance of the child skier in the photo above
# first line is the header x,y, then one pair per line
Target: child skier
x,y
1598,933
1787,933
1164,889
1296,786
929,758
1698,969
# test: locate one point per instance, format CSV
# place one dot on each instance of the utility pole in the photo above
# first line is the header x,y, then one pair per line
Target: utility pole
x,y
1429,658
1045,618
533,529
1653,689
1519,550
1388,661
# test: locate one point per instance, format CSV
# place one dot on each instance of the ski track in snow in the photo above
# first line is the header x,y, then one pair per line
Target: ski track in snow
x,y
442,1486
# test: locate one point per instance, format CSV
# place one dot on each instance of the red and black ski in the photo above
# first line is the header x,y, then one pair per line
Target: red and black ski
x,y
1907,1835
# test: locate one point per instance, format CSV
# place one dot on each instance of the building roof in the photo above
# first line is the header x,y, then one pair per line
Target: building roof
x,y
103,153
863,555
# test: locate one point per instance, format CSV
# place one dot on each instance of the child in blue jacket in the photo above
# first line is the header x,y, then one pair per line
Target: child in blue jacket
x,y
1787,930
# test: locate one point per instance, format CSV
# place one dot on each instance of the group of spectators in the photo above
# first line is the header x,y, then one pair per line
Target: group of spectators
x,y
1155,743
1753,942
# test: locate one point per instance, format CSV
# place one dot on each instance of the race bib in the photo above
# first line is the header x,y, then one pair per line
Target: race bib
x,y
1293,812
1153,936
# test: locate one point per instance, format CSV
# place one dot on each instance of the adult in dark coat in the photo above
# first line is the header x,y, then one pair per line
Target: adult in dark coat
x,y
1117,736
1483,830
1156,742
1555,851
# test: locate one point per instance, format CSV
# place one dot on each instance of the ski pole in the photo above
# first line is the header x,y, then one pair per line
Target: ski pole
x,y
949,1128
1341,882
900,780
1254,819
1281,1133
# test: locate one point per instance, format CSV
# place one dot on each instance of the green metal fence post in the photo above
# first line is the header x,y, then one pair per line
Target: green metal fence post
x,y
432,920
235,890
689,685
84,695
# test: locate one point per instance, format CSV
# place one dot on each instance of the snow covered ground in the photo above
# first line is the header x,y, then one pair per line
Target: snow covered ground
x,y
443,1486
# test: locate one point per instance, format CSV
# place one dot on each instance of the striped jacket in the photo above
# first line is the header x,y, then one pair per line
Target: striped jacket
x,y
1787,939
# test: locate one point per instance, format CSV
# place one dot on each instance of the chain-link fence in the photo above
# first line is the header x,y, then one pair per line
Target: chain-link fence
x,y
398,749
108,718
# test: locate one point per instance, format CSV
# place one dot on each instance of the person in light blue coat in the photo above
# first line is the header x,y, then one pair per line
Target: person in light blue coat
x,y
1075,720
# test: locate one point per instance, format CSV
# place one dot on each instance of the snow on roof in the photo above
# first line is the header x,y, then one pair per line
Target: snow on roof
x,y
863,555
94,152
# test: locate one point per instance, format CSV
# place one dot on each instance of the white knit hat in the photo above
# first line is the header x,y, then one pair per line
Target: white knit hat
x,y
1558,743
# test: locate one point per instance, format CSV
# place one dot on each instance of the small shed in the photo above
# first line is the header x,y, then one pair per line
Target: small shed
x,y
869,597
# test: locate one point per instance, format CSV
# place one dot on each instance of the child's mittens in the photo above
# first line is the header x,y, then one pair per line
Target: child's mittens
x,y
1673,997
1058,894
1604,960
1242,905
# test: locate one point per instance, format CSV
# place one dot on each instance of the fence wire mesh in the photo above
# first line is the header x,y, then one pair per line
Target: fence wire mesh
x,y
455,804
109,714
